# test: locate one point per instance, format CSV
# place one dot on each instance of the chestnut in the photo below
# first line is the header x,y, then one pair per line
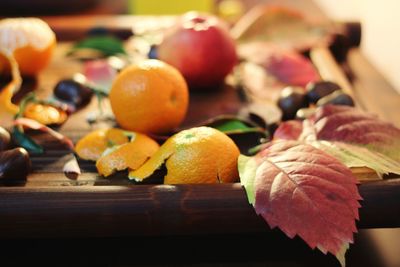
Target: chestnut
x,y
290,101
15,164
336,98
5,139
73,92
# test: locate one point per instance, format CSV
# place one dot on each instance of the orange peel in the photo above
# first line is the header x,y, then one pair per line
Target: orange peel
x,y
92,145
26,45
196,155
130,155
45,114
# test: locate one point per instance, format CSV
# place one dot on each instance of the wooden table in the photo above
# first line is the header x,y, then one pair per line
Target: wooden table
x,y
92,211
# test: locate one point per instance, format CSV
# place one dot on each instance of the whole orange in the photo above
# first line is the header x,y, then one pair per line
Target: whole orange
x,y
150,97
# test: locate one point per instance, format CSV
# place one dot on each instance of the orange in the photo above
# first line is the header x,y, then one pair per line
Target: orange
x,y
26,45
151,97
129,155
92,145
196,155
29,40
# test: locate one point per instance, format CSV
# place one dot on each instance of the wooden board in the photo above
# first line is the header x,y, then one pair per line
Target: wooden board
x,y
50,204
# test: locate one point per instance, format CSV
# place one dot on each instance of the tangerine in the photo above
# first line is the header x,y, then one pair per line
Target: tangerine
x,y
29,40
151,97
26,45
196,155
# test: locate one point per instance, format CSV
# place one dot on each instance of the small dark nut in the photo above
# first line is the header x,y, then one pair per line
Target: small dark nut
x,y
5,139
336,98
73,92
317,90
290,101
15,164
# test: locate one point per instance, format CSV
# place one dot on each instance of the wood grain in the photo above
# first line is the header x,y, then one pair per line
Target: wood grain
x,y
157,210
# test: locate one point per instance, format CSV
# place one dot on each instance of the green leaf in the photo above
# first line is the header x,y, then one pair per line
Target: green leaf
x,y
108,45
232,125
247,172
26,142
359,156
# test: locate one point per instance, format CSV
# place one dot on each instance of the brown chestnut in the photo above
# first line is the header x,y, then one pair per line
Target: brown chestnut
x,y
5,139
14,164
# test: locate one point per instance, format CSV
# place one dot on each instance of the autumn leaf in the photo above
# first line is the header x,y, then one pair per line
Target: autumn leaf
x,y
303,191
356,138
291,68
280,25
289,130
354,156
350,125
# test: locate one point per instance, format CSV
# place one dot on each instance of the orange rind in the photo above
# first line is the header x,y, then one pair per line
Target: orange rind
x,y
45,114
130,155
29,40
196,155
26,46
92,145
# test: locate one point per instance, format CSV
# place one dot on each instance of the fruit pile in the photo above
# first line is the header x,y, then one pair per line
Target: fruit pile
x,y
149,98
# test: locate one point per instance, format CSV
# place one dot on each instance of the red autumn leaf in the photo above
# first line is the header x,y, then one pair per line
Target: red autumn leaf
x,y
291,68
99,74
289,130
306,192
353,126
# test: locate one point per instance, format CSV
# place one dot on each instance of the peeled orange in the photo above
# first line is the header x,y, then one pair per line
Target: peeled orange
x,y
29,40
129,155
196,155
26,45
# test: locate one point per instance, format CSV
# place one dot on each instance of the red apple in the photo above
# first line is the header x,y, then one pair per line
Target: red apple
x,y
200,46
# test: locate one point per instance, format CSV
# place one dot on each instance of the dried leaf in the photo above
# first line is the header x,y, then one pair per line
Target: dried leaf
x,y
282,26
34,125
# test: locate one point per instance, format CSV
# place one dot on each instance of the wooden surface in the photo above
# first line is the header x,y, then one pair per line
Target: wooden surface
x,y
157,210
52,205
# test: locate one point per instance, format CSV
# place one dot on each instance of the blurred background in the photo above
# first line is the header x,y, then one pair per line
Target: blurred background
x,y
380,20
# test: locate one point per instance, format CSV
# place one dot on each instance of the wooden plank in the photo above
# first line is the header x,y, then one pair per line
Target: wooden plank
x,y
157,210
